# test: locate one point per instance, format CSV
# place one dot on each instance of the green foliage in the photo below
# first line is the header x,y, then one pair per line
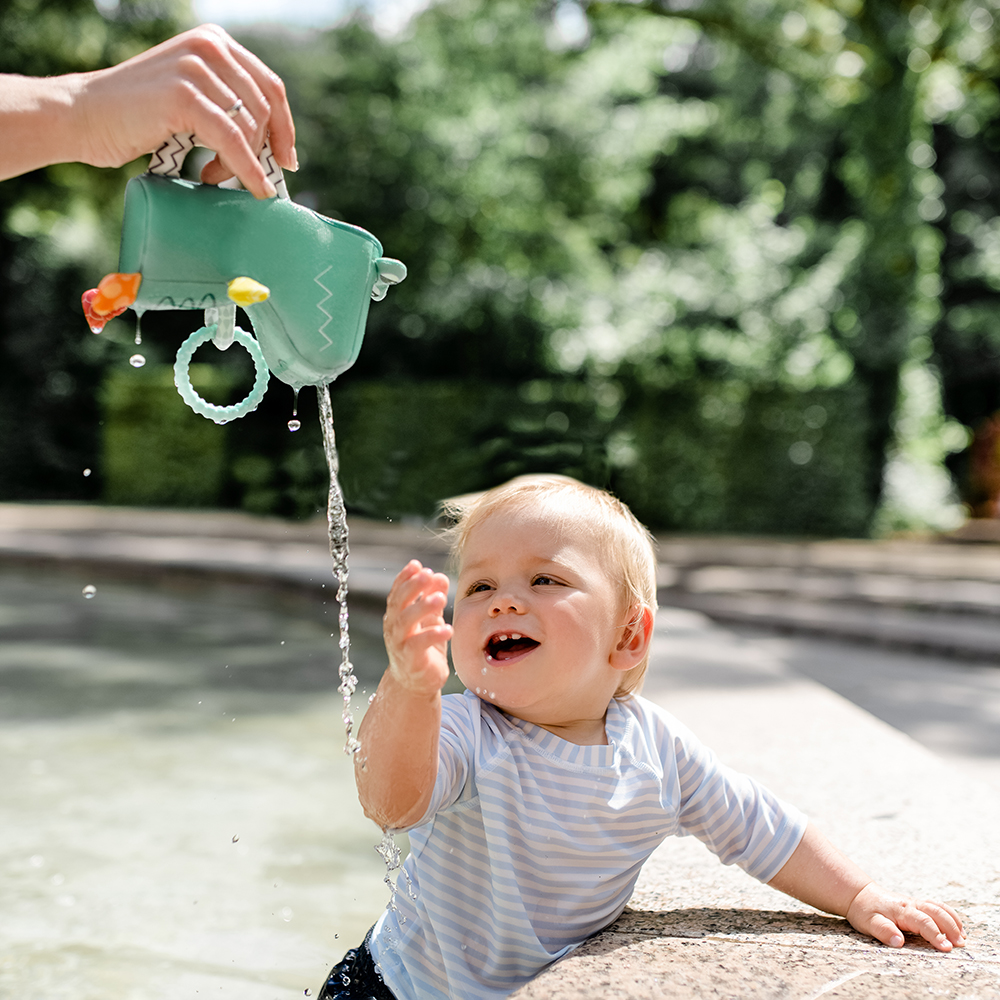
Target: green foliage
x,y
749,462
700,206
651,257
58,235
157,451
406,445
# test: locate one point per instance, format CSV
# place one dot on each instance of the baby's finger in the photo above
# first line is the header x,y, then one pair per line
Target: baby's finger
x,y
882,928
934,924
411,605
413,582
425,608
405,587
431,635
947,920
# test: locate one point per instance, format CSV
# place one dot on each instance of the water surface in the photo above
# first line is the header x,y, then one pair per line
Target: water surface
x,y
177,815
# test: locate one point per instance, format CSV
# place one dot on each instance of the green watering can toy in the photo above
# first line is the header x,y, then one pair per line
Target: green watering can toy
x,y
304,280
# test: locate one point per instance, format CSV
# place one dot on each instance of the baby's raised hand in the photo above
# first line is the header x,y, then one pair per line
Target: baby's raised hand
x,y
885,916
416,634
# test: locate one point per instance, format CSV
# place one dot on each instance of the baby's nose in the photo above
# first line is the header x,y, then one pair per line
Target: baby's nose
x,y
505,605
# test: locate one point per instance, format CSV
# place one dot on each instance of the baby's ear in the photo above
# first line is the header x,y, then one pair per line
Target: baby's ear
x,y
635,638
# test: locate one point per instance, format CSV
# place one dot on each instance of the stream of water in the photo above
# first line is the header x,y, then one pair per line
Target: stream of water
x,y
340,551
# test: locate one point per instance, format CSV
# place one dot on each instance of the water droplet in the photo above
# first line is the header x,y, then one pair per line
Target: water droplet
x,y
287,913
138,327
96,329
294,425
282,642
236,836
89,591
484,671
307,993
137,361
86,472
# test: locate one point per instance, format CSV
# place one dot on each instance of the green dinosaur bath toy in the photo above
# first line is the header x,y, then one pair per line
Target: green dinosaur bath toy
x,y
305,281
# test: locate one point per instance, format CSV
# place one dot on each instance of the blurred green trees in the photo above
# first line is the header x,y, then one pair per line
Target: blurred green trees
x,y
58,230
694,251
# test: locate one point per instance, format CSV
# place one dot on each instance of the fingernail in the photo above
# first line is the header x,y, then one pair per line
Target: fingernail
x,y
896,941
270,190
295,161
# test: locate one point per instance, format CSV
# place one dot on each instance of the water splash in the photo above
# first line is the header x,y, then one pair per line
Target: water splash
x,y
388,851
336,515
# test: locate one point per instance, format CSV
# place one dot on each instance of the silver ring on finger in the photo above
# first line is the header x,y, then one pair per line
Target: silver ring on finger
x,y
235,109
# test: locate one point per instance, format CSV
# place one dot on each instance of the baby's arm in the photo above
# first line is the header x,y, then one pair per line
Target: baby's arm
x,y
397,764
818,874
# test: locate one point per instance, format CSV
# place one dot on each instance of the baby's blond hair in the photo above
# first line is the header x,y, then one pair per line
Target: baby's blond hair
x,y
627,544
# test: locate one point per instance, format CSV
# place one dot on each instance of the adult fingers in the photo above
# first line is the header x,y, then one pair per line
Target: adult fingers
x,y
279,122
231,112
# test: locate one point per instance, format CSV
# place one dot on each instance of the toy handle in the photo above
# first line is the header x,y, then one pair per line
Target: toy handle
x,y
169,158
220,414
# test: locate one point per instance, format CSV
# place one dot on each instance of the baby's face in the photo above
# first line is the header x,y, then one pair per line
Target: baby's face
x,y
537,618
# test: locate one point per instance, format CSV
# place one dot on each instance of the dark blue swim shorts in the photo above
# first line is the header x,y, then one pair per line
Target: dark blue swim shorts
x,y
356,977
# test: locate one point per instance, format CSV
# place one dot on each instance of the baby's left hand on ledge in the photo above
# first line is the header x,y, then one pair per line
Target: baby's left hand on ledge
x,y
886,916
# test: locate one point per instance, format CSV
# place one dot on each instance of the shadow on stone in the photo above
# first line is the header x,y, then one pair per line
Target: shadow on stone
x,y
707,922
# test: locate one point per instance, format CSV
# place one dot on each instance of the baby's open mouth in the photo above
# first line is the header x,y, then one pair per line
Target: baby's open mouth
x,y
507,645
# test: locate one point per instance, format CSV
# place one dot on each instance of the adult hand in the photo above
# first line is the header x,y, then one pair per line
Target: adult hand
x,y
201,81
189,84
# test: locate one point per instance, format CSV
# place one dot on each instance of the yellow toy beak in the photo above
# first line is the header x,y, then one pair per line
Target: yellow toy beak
x,y
247,292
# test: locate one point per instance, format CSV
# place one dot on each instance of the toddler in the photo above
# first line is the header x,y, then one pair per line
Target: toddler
x,y
533,799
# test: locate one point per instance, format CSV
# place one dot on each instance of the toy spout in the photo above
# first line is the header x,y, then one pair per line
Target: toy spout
x,y
112,296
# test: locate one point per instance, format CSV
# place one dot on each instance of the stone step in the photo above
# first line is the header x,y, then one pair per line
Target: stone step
x,y
926,559
972,596
975,637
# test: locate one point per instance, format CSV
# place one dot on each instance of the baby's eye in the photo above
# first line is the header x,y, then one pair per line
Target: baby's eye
x,y
544,581
477,588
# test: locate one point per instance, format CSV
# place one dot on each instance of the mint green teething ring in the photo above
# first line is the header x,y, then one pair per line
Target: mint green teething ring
x,y
182,379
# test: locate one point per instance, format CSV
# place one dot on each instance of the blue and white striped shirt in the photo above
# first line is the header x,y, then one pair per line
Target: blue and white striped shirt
x,y
531,844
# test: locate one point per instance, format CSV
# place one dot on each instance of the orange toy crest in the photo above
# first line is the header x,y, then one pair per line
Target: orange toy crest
x,y
114,294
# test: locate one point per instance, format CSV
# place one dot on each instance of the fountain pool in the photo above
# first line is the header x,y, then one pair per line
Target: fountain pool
x,y
177,815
